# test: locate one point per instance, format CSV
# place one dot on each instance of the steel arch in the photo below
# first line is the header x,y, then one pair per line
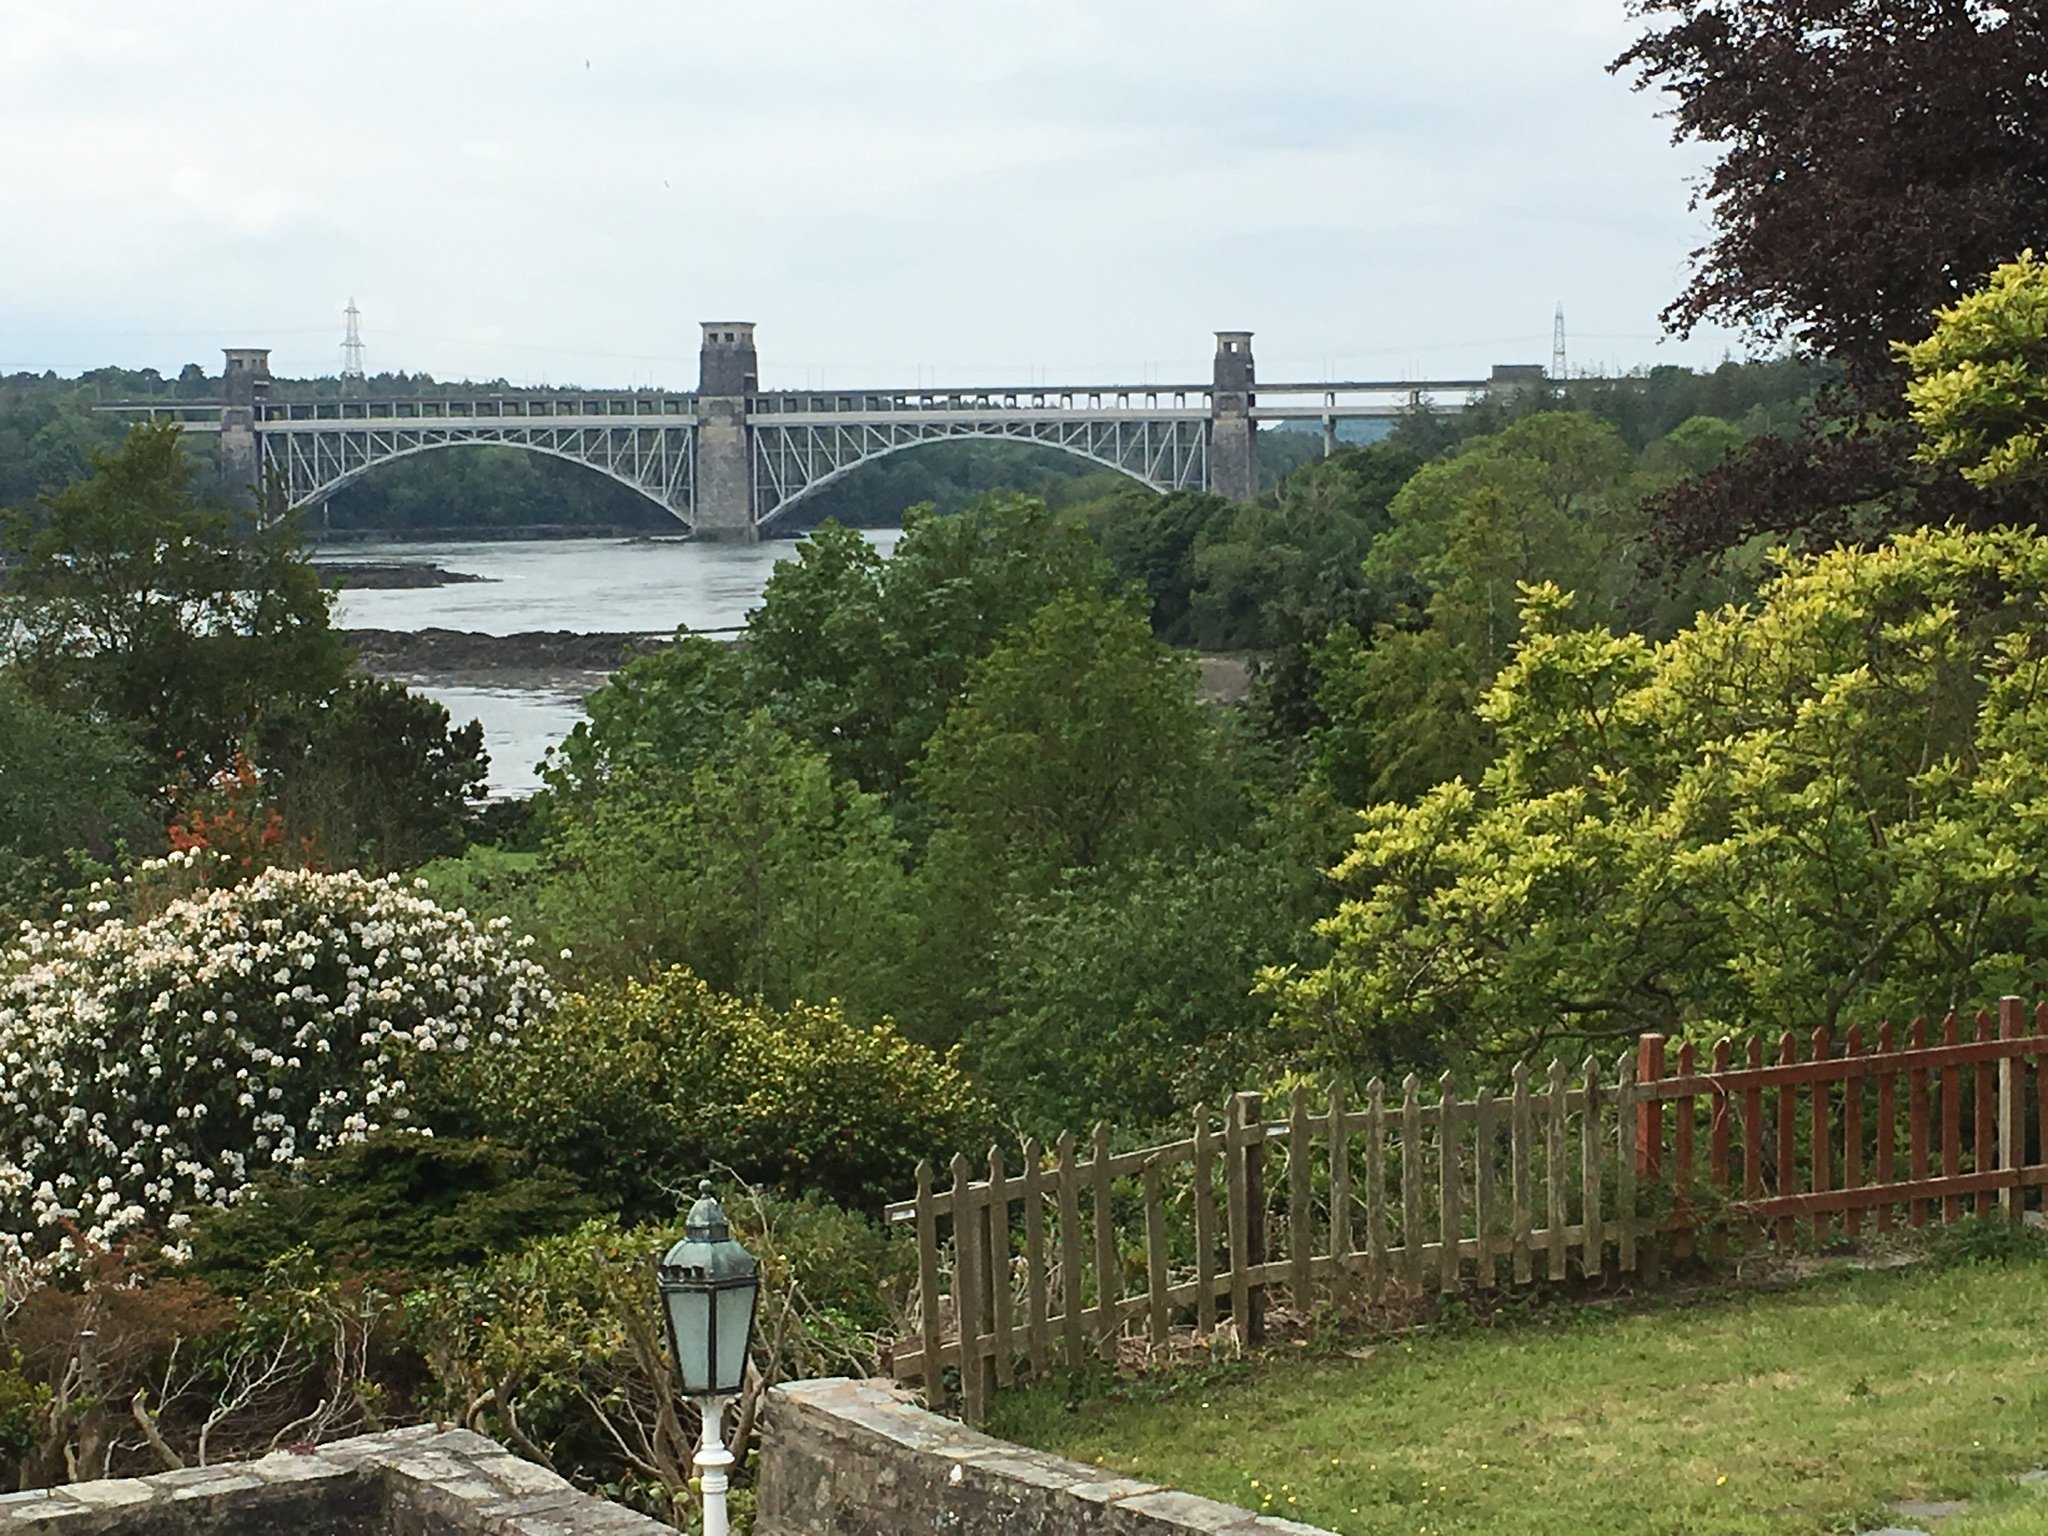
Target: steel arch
x,y
793,460
314,464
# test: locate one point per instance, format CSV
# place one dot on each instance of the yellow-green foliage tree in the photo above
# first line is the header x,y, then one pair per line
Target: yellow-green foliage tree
x,y
1980,383
1829,805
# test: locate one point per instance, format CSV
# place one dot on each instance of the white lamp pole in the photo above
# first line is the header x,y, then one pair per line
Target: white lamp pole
x,y
712,1460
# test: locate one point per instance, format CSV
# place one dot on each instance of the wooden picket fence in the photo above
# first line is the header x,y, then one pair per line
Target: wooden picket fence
x,y
1574,1173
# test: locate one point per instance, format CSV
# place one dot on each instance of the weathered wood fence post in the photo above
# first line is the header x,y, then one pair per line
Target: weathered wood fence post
x,y
1252,1110
929,1331
967,1293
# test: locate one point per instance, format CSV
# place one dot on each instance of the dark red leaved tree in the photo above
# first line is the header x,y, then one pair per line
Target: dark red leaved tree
x,y
1876,159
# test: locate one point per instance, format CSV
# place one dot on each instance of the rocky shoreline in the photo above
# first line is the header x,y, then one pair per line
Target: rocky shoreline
x,y
450,651
561,657
366,575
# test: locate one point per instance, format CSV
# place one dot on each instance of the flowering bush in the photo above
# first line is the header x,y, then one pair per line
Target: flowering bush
x,y
153,1063
231,819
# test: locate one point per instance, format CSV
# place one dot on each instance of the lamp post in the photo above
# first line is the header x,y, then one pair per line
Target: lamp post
x,y
709,1285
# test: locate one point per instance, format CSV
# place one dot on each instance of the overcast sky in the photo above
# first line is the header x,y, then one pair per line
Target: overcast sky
x,y
896,191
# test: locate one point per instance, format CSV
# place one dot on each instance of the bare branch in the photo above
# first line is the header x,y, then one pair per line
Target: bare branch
x,y
138,1410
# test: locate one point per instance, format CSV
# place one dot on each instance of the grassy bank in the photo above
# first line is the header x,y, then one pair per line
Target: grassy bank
x,y
1809,1410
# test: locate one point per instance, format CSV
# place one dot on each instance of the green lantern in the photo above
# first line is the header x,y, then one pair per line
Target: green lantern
x,y
709,1286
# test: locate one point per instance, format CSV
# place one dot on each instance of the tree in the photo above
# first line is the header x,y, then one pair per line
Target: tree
x,y
637,1089
1543,500
70,798
1077,745
1825,807
376,777
1875,157
1151,541
136,601
1128,993
862,657
821,646
754,866
1077,742
669,709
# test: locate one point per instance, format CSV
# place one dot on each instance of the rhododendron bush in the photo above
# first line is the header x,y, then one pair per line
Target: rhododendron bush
x,y
154,1063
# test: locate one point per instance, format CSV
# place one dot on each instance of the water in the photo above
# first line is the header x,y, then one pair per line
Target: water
x,y
583,585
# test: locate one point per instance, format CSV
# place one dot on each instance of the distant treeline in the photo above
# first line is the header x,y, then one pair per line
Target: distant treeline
x,y
50,425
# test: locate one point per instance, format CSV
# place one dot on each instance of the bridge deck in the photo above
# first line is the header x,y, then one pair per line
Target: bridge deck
x,y
305,426
666,405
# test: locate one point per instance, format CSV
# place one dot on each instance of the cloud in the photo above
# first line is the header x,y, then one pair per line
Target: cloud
x,y
522,189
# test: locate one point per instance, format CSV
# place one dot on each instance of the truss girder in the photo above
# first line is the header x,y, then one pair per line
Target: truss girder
x,y
656,459
792,459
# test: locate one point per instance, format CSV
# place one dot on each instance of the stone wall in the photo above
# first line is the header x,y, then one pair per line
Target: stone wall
x,y
410,1482
858,1458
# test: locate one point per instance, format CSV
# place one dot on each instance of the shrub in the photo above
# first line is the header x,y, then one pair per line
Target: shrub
x,y
155,1063
1987,1240
390,1202
23,1404
639,1090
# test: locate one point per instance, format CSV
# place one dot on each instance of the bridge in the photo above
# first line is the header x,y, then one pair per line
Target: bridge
x,y
731,458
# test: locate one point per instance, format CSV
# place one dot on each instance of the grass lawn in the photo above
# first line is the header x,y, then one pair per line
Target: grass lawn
x,y
1809,1410
2004,1512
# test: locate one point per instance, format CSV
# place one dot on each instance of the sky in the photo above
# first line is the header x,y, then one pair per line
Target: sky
x,y
894,191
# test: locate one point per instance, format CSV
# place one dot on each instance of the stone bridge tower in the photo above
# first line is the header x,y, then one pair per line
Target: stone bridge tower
x,y
728,373
245,384
1233,438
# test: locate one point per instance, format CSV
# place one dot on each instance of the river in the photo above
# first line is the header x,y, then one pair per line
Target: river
x,y
626,586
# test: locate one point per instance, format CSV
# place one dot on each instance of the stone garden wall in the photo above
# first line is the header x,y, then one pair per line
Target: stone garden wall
x,y
410,1482
858,1458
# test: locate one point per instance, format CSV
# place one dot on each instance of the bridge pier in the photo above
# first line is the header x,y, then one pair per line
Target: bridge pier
x,y
728,372
245,384
1233,437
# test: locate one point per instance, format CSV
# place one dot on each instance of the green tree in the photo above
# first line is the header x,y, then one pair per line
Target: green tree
x,y
1077,742
1076,745
1129,993
669,709
376,776
135,600
823,649
755,867
70,799
865,657
1543,500
1151,540
858,657
639,1089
